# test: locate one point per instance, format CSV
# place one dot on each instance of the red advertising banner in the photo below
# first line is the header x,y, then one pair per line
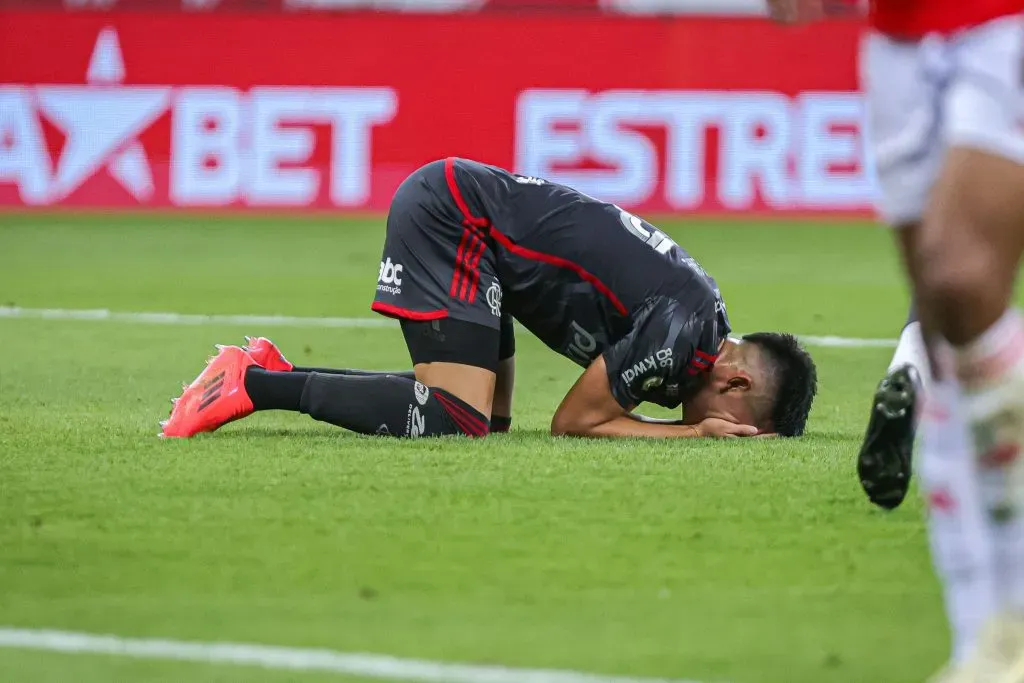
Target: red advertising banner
x,y
135,109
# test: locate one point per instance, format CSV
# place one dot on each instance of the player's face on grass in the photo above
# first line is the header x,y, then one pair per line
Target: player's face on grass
x,y
726,388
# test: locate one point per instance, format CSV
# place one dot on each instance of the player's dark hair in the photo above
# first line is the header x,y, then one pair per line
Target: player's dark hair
x,y
795,376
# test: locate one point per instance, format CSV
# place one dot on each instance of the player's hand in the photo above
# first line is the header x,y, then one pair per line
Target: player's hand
x,y
795,11
712,426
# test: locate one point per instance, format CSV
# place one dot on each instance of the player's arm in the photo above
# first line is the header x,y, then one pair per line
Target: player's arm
x,y
637,368
590,409
654,420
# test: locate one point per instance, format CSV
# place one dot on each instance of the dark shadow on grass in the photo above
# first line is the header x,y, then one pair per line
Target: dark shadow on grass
x,y
327,432
311,432
829,438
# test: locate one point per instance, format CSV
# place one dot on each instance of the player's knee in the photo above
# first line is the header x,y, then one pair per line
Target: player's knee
x,y
951,273
560,427
565,423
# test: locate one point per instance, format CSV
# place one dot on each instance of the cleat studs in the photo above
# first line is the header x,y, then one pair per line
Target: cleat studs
x,y
184,386
219,347
163,423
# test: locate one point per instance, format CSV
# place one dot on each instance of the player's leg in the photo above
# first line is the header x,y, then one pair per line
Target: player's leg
x,y
438,277
966,265
429,279
903,132
274,383
910,349
977,529
444,398
964,268
885,461
451,332
903,127
455,365
277,384
959,542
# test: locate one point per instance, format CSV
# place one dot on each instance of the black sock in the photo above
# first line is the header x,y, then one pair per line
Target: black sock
x,y
283,390
388,405
500,423
275,390
408,374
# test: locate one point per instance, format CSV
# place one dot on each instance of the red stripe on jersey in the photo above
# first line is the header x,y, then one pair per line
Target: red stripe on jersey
x,y
407,314
560,262
467,265
476,221
475,271
705,356
467,234
471,248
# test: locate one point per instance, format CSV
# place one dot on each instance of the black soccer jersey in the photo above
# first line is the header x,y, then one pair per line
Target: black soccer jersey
x,y
590,279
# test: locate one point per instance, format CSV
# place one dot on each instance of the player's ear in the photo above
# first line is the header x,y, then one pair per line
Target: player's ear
x,y
739,382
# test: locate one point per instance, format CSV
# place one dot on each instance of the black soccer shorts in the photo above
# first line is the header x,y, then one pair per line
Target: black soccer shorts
x,y
438,274
438,259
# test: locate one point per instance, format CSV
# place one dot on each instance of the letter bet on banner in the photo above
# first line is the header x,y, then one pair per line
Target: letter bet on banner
x,y
309,111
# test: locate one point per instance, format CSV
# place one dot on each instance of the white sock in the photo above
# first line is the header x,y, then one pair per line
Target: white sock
x,y
956,524
911,350
991,369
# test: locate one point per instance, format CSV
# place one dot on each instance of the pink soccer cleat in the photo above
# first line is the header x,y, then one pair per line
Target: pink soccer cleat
x,y
267,355
215,398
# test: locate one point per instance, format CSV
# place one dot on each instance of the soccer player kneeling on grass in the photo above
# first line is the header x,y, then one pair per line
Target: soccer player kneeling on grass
x,y
471,247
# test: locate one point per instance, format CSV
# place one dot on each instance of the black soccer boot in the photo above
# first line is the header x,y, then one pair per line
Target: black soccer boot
x,y
884,463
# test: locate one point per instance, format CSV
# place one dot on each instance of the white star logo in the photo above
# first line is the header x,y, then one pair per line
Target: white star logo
x,y
101,122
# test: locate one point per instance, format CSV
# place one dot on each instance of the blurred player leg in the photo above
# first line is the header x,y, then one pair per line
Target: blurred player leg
x,y
904,125
903,130
964,267
959,542
885,461
910,349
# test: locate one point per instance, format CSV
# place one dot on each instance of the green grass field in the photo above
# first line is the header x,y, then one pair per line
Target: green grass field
x,y
739,562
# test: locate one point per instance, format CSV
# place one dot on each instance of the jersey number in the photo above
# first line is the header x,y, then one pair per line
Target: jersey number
x,y
650,235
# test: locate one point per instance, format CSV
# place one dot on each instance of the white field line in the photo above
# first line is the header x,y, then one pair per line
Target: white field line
x,y
102,314
296,659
